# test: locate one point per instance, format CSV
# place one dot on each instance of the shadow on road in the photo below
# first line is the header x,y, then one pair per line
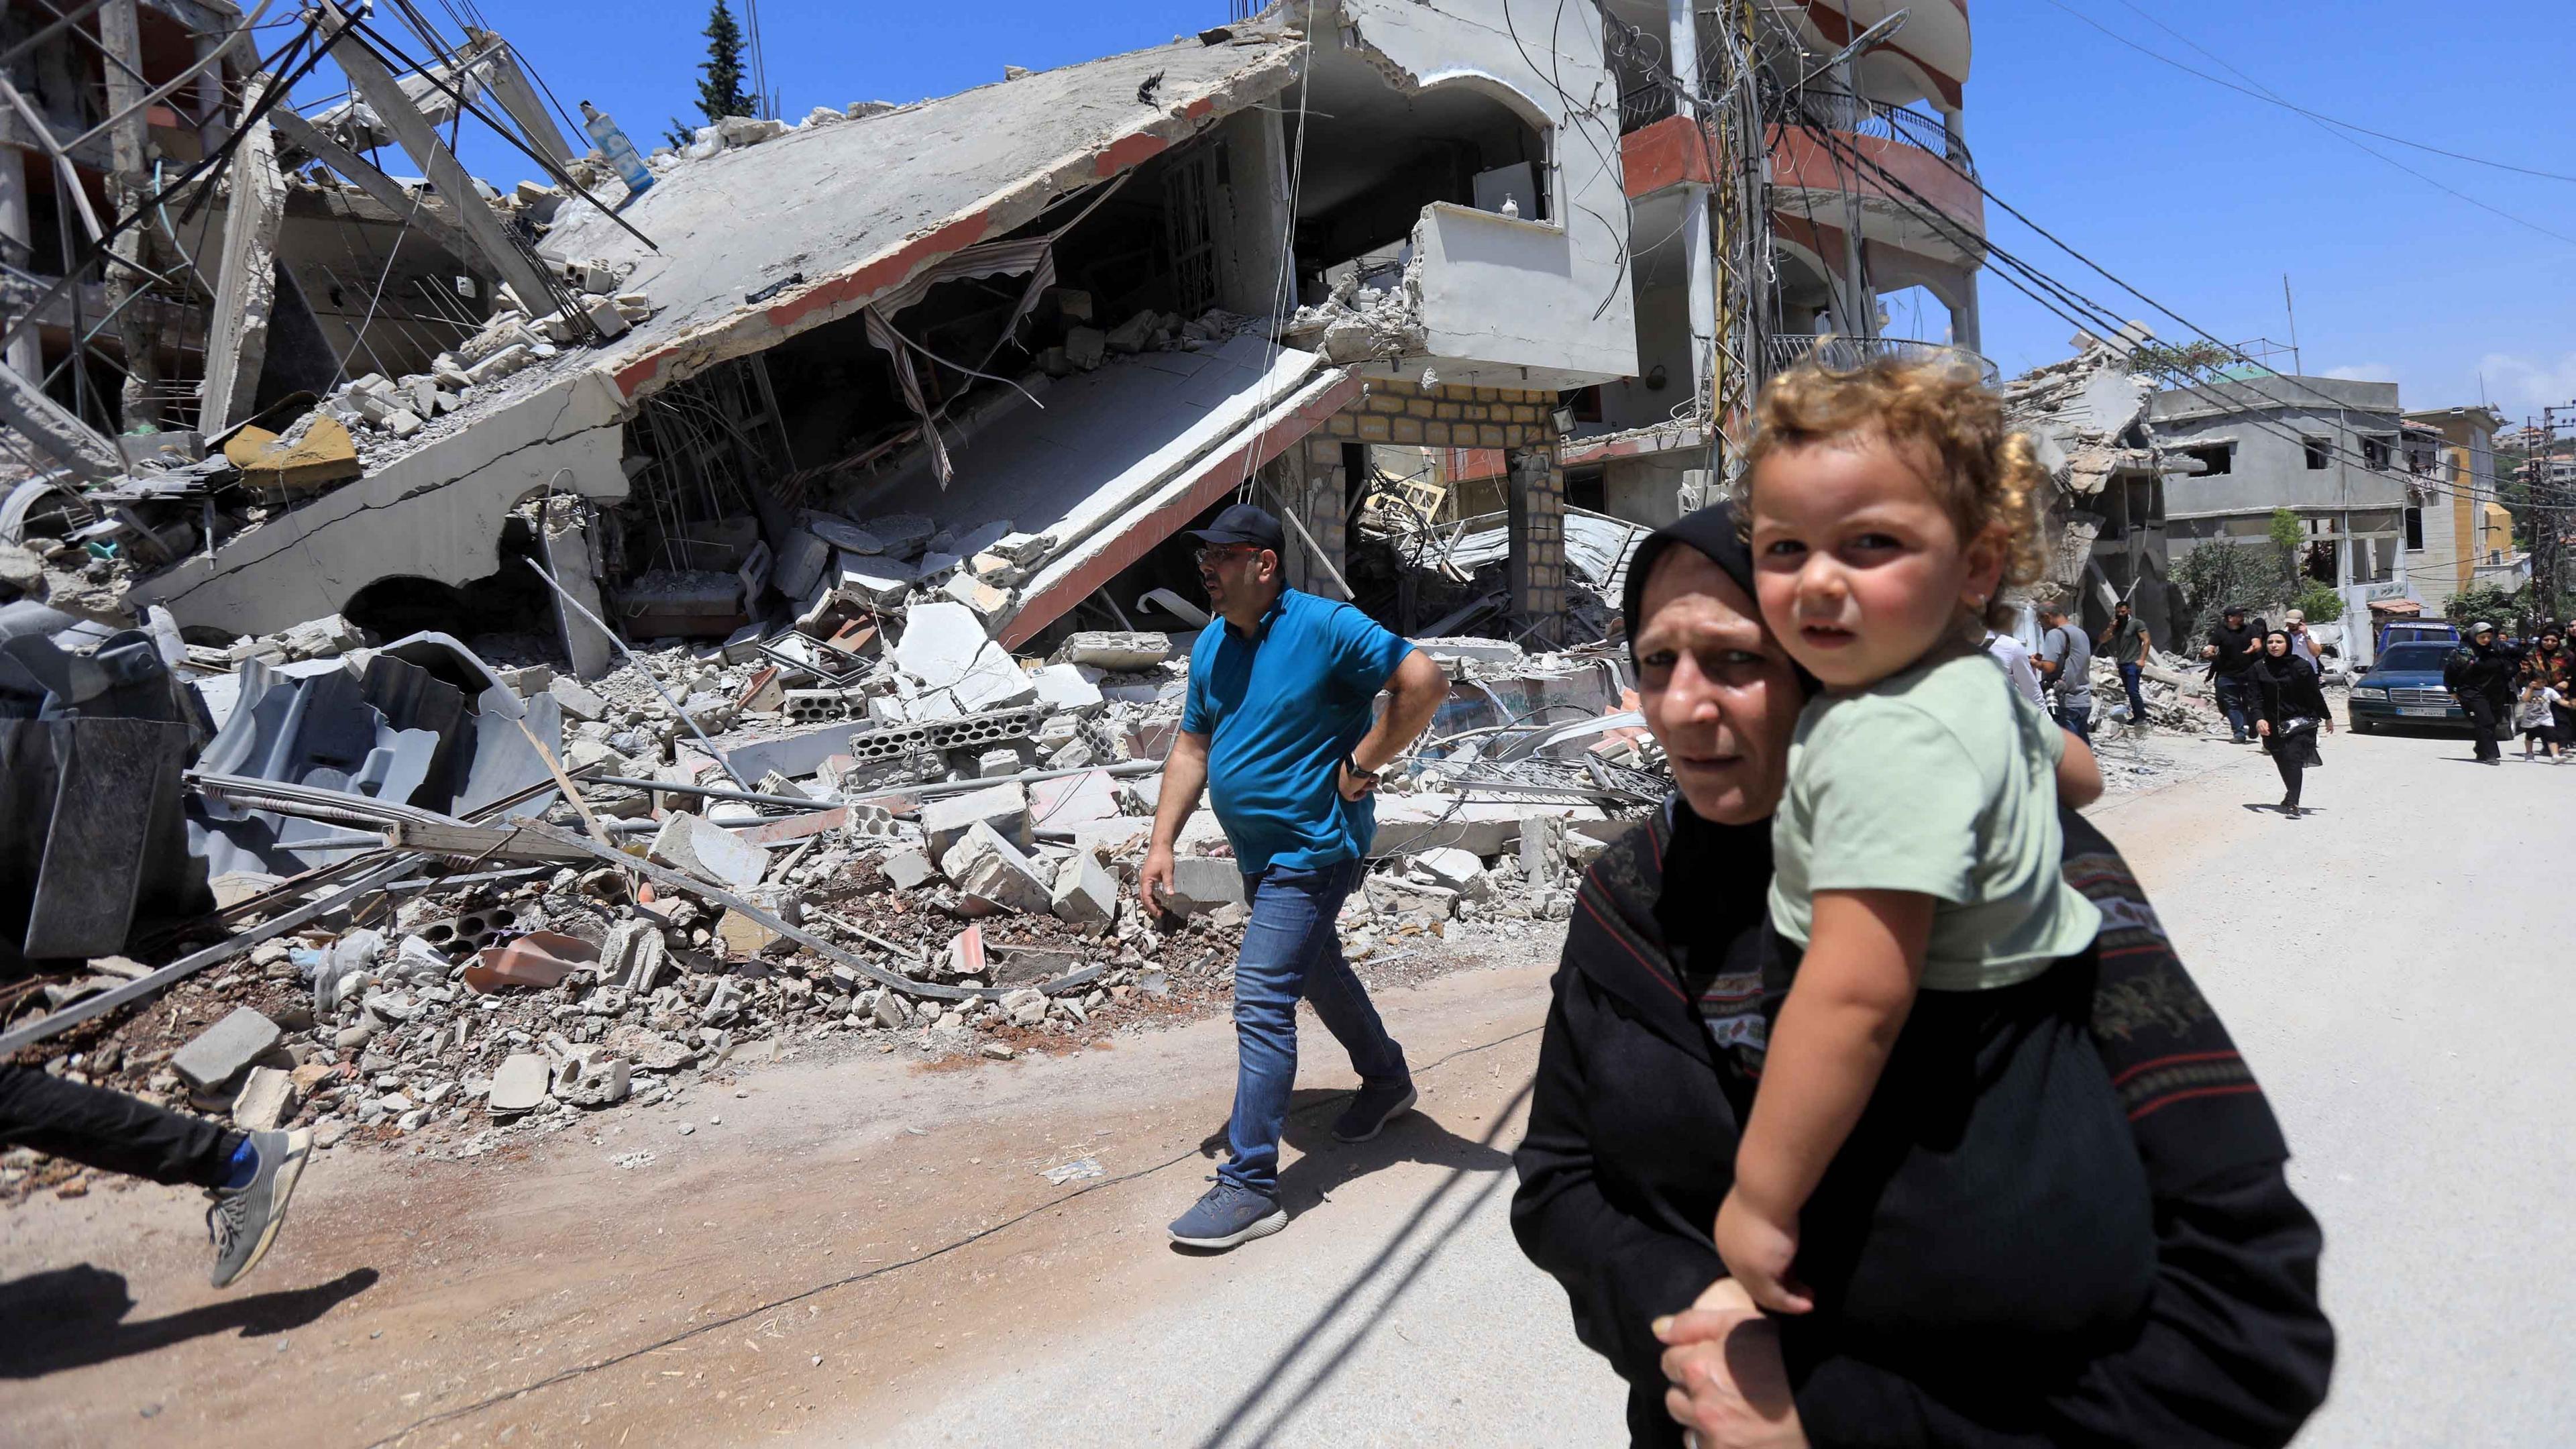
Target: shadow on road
x,y
1325,1164
1346,1316
74,1317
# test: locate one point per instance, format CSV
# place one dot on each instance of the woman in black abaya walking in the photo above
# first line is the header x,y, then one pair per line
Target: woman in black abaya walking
x,y
2289,709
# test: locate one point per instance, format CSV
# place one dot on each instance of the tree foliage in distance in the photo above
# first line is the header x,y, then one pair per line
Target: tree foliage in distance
x,y
720,92
2484,602
2199,360
2224,571
2319,602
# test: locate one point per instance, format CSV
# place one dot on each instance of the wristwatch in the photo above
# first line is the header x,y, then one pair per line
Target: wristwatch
x,y
1352,764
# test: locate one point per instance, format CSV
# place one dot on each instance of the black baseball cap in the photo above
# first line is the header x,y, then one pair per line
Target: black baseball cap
x,y
1245,523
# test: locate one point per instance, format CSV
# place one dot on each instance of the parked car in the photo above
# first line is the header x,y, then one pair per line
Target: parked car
x,y
2419,631
2405,687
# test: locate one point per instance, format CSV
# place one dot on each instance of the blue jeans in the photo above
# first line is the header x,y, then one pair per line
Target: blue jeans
x,y
1291,949
2236,701
2137,701
2077,717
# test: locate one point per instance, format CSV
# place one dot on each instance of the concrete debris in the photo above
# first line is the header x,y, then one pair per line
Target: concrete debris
x,y
225,1049
1201,883
985,865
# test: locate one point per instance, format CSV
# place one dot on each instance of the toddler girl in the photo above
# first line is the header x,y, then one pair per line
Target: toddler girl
x,y
1949,1169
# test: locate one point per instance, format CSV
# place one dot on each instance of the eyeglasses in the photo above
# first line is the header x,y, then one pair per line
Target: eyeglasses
x,y
1219,552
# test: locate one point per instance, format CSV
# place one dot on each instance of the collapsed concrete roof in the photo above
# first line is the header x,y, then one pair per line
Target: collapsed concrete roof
x,y
857,207
853,207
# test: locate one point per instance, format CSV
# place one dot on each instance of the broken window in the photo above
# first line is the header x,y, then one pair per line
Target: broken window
x,y
2320,453
2376,452
2415,529
2214,459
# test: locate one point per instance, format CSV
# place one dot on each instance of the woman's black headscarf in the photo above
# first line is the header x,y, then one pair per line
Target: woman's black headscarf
x,y
1713,531
2284,668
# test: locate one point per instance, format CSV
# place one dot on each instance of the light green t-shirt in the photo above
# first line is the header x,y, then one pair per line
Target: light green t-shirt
x,y
1939,780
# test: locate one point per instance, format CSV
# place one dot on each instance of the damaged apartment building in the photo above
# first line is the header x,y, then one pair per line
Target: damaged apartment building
x,y
1004,344
464,591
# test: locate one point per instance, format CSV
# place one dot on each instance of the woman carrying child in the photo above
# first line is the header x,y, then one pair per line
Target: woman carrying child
x,y
1936,1170
2291,709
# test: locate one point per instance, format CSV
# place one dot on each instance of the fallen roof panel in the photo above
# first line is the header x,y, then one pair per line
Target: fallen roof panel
x,y
1092,445
857,206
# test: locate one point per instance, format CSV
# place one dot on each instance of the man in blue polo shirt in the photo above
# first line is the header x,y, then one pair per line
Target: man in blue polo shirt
x,y
1280,729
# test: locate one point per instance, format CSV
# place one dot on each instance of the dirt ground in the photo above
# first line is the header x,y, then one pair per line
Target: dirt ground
x,y
875,1214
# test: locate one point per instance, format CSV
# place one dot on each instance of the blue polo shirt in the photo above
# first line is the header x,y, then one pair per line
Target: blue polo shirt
x,y
1280,707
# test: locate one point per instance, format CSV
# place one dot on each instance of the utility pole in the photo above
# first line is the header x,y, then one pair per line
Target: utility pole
x,y
2547,516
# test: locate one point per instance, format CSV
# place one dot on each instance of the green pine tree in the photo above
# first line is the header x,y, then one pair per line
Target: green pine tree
x,y
720,92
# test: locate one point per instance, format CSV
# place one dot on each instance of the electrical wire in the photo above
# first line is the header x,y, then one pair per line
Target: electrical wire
x,y
2268,96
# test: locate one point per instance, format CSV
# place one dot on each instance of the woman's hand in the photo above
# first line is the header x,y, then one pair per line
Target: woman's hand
x,y
1758,1248
1730,1385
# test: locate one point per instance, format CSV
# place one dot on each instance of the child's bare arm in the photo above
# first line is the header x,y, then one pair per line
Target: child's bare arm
x,y
1854,989
2079,774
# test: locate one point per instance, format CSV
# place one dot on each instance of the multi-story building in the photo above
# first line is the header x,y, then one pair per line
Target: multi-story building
x,y
2458,534
1858,153
2325,449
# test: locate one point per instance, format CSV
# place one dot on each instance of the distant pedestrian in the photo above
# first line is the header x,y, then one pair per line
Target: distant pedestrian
x,y
1280,728
2480,675
2014,656
2066,663
2289,710
248,1175
2536,715
2554,662
2303,643
2128,641
2231,650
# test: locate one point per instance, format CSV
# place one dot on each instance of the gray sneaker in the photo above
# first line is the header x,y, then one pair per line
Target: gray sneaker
x,y
1371,1109
1229,1214
244,1220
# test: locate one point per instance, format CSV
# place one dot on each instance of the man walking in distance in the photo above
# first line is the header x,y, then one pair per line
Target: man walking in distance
x,y
1277,727
2128,641
2066,663
2231,651
2480,675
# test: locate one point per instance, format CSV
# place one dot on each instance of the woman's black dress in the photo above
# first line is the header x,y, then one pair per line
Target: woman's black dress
x,y
1644,1076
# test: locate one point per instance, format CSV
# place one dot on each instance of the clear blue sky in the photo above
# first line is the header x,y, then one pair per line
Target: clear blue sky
x,y
2200,196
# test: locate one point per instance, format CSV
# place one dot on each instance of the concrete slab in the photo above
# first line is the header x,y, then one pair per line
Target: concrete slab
x,y
941,644
710,852
220,1052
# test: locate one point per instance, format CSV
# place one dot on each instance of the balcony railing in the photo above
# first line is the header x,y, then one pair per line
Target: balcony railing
x,y
1782,353
1857,116
1642,106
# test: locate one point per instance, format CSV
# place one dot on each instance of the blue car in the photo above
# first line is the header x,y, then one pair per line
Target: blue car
x,y
2405,688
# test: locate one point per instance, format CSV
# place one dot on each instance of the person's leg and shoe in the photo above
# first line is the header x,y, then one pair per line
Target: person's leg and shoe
x,y
2482,725
1342,1003
249,1176
2286,759
1290,935
2129,675
2235,702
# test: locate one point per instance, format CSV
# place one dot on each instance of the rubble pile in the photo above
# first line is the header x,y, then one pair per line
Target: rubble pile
x,y
880,827
1359,322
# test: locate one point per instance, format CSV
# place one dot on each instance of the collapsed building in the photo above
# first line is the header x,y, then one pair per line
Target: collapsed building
x,y
605,620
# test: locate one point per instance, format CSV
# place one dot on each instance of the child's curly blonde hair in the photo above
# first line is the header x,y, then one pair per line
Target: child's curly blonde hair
x,y
1985,475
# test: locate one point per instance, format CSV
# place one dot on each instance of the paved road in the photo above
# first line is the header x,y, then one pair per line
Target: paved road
x,y
864,1253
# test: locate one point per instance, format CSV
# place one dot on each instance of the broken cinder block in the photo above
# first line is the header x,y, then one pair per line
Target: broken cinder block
x,y
1202,883
710,852
220,1052
945,821
1085,894
983,864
